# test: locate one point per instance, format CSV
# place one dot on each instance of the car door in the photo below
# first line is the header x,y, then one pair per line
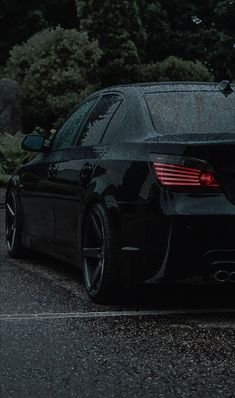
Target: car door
x,y
37,177
36,190
74,170
64,178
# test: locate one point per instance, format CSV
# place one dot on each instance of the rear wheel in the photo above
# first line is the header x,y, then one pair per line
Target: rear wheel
x,y
99,252
12,225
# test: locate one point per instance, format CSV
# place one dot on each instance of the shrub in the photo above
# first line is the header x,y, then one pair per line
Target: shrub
x,y
11,155
175,69
56,69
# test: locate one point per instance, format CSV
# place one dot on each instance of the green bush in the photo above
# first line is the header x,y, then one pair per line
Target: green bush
x,y
11,155
56,69
175,69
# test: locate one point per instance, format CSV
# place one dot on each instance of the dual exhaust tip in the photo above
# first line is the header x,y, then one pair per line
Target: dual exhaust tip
x,y
224,276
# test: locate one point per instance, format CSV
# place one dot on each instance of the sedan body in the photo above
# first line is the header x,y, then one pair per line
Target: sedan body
x,y
139,177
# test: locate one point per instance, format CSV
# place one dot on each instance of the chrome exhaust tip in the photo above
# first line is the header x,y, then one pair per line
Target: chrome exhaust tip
x,y
222,276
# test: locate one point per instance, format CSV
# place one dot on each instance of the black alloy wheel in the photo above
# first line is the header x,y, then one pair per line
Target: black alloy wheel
x,y
99,255
12,226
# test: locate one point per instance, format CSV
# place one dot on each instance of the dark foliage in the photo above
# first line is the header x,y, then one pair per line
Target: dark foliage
x,y
119,30
21,19
56,69
192,30
137,40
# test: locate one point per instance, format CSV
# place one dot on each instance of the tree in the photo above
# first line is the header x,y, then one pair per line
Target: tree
x,y
168,25
157,28
220,24
21,19
193,30
119,30
56,69
174,69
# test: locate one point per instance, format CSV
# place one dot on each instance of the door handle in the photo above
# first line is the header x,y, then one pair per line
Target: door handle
x,y
86,172
52,170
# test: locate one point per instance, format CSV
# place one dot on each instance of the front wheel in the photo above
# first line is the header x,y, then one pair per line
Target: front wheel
x,y
99,253
12,226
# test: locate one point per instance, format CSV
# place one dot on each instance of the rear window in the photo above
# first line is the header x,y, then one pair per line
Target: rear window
x,y
192,112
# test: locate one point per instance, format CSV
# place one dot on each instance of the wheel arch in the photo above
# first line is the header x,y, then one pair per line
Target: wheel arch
x,y
13,183
110,204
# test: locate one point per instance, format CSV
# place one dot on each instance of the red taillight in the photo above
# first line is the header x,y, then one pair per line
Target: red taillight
x,y
173,175
207,179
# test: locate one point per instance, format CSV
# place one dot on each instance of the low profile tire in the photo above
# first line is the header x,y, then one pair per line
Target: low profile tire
x,y
12,225
99,252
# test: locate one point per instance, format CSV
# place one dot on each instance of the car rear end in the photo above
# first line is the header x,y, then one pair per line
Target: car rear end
x,y
192,161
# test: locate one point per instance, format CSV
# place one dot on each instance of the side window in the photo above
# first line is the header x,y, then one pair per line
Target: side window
x,y
99,119
118,125
66,134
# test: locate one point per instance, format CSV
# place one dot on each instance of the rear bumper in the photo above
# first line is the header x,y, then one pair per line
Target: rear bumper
x,y
194,246
198,243
176,236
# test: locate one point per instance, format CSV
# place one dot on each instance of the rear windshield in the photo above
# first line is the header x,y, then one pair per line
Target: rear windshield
x,y
192,112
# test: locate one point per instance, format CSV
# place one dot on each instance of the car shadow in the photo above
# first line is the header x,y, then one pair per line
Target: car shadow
x,y
172,296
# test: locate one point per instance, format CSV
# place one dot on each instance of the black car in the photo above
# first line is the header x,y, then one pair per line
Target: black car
x,y
137,185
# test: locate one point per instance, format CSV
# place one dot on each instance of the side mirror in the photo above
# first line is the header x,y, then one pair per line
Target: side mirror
x,y
33,143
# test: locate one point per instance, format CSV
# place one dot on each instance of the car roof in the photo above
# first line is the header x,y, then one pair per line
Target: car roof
x,y
149,87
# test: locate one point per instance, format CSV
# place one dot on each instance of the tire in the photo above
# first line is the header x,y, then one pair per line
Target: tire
x,y
99,254
12,226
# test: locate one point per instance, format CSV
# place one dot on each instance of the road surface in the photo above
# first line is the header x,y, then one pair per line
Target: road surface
x,y
157,341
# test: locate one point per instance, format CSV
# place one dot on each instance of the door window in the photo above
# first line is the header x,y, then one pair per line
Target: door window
x,y
67,133
99,119
118,125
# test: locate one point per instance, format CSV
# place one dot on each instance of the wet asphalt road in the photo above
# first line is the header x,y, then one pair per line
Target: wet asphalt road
x,y
167,341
